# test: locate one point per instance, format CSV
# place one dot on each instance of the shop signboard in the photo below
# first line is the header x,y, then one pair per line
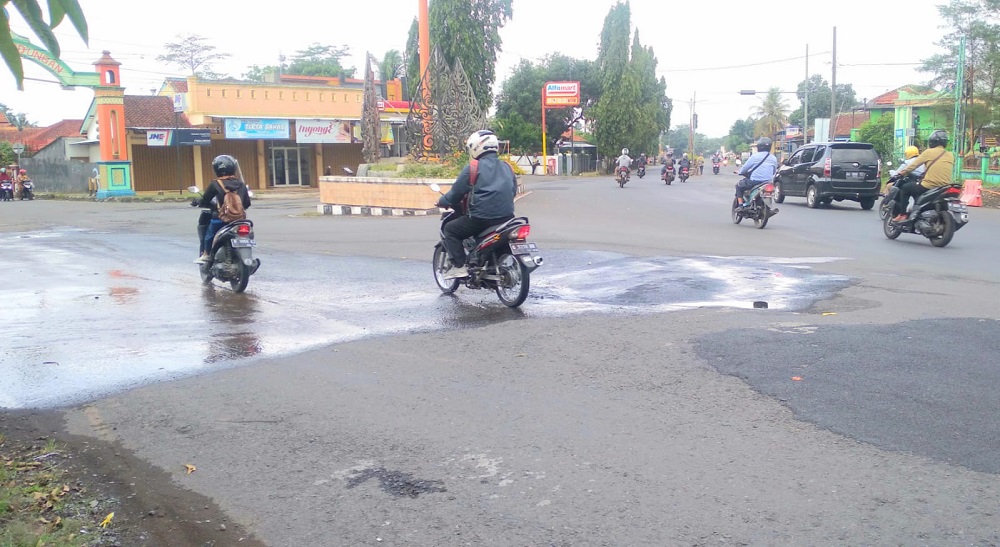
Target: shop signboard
x,y
178,137
256,128
559,94
323,131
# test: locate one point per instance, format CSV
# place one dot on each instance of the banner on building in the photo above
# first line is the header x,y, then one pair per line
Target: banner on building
x,y
178,137
323,131
793,131
255,128
387,136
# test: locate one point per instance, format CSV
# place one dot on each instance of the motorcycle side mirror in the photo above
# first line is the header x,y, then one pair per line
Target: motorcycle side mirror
x,y
194,190
436,188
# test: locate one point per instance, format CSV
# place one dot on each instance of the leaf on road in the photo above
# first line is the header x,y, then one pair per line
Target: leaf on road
x,y
107,520
829,313
189,468
796,378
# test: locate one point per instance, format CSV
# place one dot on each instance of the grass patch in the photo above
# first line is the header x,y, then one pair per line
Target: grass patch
x,y
37,505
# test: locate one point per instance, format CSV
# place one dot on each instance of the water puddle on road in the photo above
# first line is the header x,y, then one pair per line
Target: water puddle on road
x,y
88,314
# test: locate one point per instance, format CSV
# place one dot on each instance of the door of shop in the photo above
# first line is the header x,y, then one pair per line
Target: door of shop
x,y
289,167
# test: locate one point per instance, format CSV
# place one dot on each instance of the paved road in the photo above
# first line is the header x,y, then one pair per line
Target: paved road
x,y
601,423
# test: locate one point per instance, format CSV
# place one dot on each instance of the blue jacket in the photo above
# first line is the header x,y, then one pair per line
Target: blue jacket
x,y
493,194
766,171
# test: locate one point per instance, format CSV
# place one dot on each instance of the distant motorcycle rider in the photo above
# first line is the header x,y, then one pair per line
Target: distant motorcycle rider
x,y
684,163
624,161
939,162
759,168
489,200
225,168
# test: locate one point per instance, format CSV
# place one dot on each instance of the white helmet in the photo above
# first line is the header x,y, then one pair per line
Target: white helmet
x,y
624,151
685,154
481,142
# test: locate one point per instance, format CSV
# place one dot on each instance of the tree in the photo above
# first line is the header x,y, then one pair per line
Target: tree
x,y
32,14
470,30
677,139
879,132
320,60
741,134
520,100
257,73
819,100
633,109
391,66
771,114
977,21
192,54
413,58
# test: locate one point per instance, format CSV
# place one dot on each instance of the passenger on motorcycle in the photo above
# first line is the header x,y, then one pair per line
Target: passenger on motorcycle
x,y
668,161
911,153
641,162
759,168
225,170
684,163
490,198
939,162
624,162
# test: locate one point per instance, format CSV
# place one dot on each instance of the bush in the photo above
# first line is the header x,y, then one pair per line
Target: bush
x,y
381,167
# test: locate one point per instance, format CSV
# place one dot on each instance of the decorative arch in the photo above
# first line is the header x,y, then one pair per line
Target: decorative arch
x,y
43,58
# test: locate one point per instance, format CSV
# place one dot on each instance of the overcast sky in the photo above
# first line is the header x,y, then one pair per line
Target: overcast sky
x,y
703,47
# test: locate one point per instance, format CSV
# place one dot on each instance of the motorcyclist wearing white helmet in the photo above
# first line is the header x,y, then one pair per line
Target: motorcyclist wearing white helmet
x,y
684,163
624,160
488,200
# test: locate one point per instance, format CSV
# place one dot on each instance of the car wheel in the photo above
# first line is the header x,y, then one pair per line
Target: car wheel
x,y
812,197
779,193
867,203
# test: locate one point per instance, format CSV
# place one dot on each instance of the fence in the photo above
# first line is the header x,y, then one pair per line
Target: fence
x,y
58,176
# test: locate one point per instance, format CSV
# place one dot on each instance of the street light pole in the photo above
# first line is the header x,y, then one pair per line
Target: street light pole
x,y
805,105
833,91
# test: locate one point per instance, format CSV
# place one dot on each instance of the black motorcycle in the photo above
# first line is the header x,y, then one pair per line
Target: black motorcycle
x,y
668,175
499,258
641,171
758,200
231,256
27,190
715,167
937,214
7,190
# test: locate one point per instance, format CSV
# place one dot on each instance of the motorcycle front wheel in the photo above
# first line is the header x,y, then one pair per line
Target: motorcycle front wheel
x,y
947,233
512,289
441,265
885,208
737,217
890,229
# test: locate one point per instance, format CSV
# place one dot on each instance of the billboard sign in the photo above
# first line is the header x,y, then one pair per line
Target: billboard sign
x,y
256,128
323,131
178,137
561,94
793,131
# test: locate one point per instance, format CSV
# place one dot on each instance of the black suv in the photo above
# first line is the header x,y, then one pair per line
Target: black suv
x,y
827,171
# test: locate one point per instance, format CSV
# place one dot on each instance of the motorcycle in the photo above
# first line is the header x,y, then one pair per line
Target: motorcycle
x,y
668,175
27,190
231,256
623,176
7,190
685,173
641,171
759,201
715,167
500,258
888,203
937,214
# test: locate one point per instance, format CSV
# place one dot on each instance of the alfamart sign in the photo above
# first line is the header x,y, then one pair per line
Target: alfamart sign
x,y
558,94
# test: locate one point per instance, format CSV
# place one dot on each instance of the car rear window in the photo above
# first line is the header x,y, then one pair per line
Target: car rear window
x,y
859,155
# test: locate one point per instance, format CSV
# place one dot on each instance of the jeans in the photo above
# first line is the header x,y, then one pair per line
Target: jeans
x,y
462,227
213,227
744,185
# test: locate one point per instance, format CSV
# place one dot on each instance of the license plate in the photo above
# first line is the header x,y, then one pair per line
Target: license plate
x,y
243,242
856,175
523,248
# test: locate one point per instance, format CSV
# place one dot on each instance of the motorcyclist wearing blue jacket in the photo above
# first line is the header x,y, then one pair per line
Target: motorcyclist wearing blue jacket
x,y
758,168
490,198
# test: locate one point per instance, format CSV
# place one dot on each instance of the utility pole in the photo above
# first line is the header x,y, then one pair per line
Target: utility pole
x,y
691,125
833,91
958,127
805,105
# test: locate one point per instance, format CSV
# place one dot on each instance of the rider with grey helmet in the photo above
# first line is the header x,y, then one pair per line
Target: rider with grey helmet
x,y
488,200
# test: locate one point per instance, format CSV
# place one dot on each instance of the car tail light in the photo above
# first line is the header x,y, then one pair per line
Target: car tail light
x,y
522,232
243,230
828,168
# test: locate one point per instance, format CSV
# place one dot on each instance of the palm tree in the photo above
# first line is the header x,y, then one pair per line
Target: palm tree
x,y
391,65
772,114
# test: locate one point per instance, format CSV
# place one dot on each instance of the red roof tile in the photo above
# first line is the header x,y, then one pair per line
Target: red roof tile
x,y
47,135
151,111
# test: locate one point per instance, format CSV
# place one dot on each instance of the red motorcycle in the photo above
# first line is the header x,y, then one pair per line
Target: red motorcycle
x,y
715,166
622,176
685,173
668,174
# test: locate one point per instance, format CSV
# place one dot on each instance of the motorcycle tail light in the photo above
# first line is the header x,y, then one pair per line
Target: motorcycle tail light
x,y
522,232
952,192
243,230
828,168
769,188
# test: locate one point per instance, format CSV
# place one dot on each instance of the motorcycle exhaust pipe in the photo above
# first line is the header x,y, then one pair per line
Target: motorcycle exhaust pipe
x,y
538,260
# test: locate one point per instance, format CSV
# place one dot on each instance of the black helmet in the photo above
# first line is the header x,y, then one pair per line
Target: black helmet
x,y
938,138
764,144
224,165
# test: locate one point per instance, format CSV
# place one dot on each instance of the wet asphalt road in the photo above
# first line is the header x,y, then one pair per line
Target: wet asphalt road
x,y
615,408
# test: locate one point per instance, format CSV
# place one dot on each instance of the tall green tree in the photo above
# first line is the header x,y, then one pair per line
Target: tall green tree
x,y
633,108
470,30
520,100
193,54
413,58
31,12
819,100
979,22
320,60
391,66
771,114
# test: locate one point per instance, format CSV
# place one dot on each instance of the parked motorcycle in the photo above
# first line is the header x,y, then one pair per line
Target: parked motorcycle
x,y
500,258
759,201
668,175
27,190
937,214
641,171
685,173
231,256
623,176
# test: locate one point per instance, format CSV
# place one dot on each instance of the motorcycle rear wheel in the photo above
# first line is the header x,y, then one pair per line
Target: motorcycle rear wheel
x,y
515,281
948,233
737,217
441,265
760,221
206,273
